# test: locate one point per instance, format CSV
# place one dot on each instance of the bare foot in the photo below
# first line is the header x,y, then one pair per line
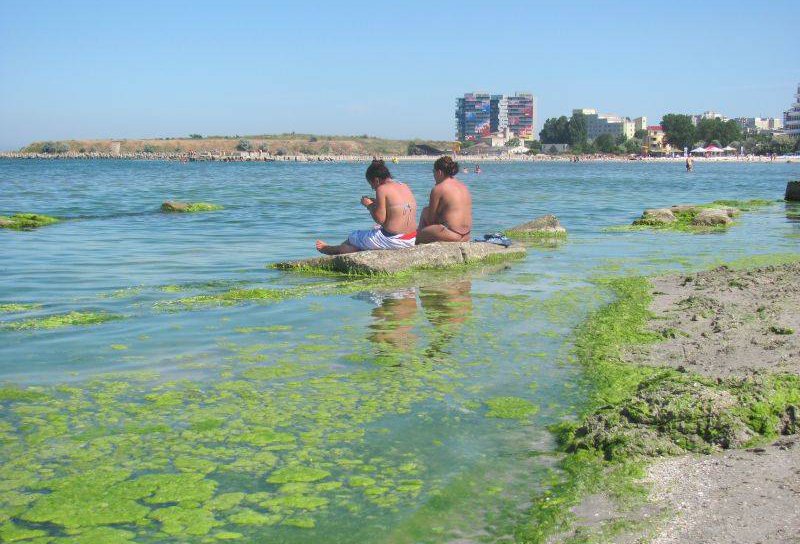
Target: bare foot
x,y
322,247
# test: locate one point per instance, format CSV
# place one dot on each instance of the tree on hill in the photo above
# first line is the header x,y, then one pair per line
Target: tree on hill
x,y
244,145
196,136
679,130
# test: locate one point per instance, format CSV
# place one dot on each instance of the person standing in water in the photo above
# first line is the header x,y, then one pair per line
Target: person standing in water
x,y
689,164
448,216
394,209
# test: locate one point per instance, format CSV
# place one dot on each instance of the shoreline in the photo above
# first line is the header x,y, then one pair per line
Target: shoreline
x,y
691,432
256,157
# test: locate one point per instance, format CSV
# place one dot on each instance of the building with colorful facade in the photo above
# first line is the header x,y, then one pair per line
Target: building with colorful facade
x,y
480,114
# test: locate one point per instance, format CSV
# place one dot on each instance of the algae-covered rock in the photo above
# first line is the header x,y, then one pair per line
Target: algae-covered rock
x,y
667,416
545,226
793,191
26,221
188,207
713,217
656,216
435,255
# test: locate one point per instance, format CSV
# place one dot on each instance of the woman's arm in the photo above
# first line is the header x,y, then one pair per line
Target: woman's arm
x,y
377,209
431,212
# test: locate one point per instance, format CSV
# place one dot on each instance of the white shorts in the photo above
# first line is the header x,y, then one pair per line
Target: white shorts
x,y
375,239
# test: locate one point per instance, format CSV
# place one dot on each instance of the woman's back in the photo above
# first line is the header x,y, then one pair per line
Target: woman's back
x,y
401,208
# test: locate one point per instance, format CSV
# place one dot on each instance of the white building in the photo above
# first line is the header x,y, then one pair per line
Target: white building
x,y
708,115
791,117
604,123
760,124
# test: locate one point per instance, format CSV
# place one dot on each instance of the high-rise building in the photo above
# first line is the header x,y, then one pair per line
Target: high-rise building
x,y
791,117
603,123
473,116
522,115
481,114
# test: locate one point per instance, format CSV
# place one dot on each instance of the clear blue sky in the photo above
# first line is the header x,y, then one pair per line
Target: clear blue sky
x,y
169,68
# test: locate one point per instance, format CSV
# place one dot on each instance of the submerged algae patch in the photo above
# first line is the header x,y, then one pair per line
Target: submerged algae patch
x,y
297,474
71,319
17,307
510,408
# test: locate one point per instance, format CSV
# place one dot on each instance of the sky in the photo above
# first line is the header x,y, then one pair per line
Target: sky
x,y
124,69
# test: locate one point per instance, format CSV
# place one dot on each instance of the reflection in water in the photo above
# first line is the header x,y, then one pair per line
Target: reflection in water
x,y
394,320
793,211
446,307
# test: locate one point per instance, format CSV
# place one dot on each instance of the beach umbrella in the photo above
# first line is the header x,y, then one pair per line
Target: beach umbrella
x,y
713,149
698,150
728,148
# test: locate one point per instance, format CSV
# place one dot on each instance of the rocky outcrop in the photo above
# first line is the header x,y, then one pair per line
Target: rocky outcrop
x,y
437,255
713,217
174,206
656,216
793,191
545,226
189,207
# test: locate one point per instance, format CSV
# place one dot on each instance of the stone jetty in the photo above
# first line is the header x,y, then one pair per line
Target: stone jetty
x,y
438,255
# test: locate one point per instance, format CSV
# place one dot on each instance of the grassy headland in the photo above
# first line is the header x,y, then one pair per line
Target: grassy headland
x,y
275,144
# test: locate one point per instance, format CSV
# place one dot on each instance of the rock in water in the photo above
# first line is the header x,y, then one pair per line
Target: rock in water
x,y
174,206
436,255
713,217
656,216
793,191
547,225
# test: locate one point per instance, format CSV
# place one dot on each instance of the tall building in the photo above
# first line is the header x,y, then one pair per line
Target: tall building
x,y
522,115
791,117
603,123
480,114
708,115
473,116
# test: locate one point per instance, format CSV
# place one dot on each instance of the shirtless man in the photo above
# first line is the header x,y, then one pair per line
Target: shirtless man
x,y
448,216
394,209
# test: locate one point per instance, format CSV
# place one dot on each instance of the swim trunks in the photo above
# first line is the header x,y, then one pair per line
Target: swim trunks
x,y
376,238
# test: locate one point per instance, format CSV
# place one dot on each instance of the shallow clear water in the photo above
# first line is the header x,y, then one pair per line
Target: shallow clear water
x,y
374,395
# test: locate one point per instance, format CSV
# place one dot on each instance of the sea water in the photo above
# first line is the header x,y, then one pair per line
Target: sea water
x,y
222,399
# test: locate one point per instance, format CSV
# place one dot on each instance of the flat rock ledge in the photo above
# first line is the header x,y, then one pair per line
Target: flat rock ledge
x,y
439,255
545,226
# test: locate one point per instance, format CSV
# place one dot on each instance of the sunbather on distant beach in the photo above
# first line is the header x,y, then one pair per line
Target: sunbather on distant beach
x,y
394,209
448,216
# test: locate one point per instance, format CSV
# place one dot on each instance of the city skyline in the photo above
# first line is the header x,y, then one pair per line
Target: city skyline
x,y
94,70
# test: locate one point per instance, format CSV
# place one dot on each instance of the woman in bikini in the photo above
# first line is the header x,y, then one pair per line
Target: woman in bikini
x,y
394,209
448,216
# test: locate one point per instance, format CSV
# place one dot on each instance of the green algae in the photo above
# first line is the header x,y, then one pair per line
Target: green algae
x,y
26,221
269,328
100,535
10,532
510,408
71,319
297,474
302,523
180,521
18,307
361,481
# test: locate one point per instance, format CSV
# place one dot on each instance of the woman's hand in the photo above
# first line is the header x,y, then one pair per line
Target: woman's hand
x,y
367,201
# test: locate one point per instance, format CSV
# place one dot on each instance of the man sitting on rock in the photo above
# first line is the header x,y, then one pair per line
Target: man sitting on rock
x,y
448,216
394,209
